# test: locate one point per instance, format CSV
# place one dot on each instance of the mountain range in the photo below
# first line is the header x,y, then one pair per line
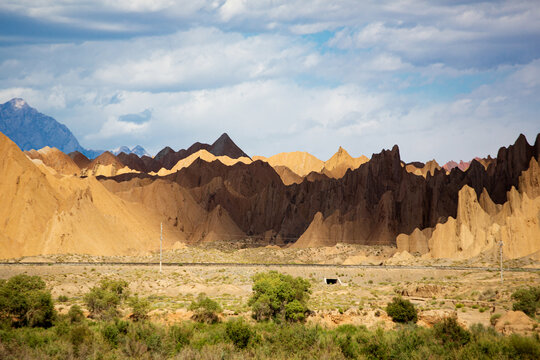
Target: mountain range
x,y
56,202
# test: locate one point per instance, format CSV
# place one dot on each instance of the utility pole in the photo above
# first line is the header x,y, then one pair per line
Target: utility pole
x,y
160,247
501,254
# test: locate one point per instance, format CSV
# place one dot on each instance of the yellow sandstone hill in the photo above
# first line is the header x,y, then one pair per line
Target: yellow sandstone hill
x,y
429,168
45,214
340,162
203,155
302,164
480,224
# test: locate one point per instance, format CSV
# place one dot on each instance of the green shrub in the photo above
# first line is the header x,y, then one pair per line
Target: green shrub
x,y
494,318
450,333
79,334
205,309
527,300
111,334
148,333
102,301
402,311
272,292
238,332
348,346
180,336
63,298
75,314
140,308
24,301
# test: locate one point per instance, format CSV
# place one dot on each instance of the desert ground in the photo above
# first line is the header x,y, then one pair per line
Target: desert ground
x,y
474,295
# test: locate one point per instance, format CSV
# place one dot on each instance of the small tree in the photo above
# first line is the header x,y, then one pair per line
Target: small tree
x,y
450,333
103,300
24,301
527,300
205,309
402,311
278,295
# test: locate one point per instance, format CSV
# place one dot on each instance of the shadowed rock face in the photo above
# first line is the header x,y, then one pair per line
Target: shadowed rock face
x,y
79,159
377,201
132,161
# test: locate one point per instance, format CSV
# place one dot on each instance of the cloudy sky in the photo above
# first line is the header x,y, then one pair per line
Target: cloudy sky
x,y
442,79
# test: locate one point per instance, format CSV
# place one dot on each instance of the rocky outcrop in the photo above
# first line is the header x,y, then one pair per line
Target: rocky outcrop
x,y
372,204
480,224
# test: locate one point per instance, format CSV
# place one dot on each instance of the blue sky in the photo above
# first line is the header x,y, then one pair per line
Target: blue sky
x,y
442,79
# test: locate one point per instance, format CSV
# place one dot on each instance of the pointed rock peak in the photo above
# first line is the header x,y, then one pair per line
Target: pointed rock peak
x,y
522,139
225,146
223,138
164,152
340,154
18,103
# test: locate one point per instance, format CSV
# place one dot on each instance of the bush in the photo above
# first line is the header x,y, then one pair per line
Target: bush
x,y
349,348
103,300
527,300
450,333
238,332
24,301
111,334
205,309
280,296
140,308
524,347
402,311
75,314
63,298
79,334
180,336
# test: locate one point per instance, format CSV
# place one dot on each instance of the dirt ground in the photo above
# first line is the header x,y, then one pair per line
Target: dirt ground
x,y
473,295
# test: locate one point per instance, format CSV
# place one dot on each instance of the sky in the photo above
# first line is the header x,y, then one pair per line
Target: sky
x,y
448,80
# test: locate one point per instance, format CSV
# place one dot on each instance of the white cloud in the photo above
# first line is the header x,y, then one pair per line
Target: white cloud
x,y
247,68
